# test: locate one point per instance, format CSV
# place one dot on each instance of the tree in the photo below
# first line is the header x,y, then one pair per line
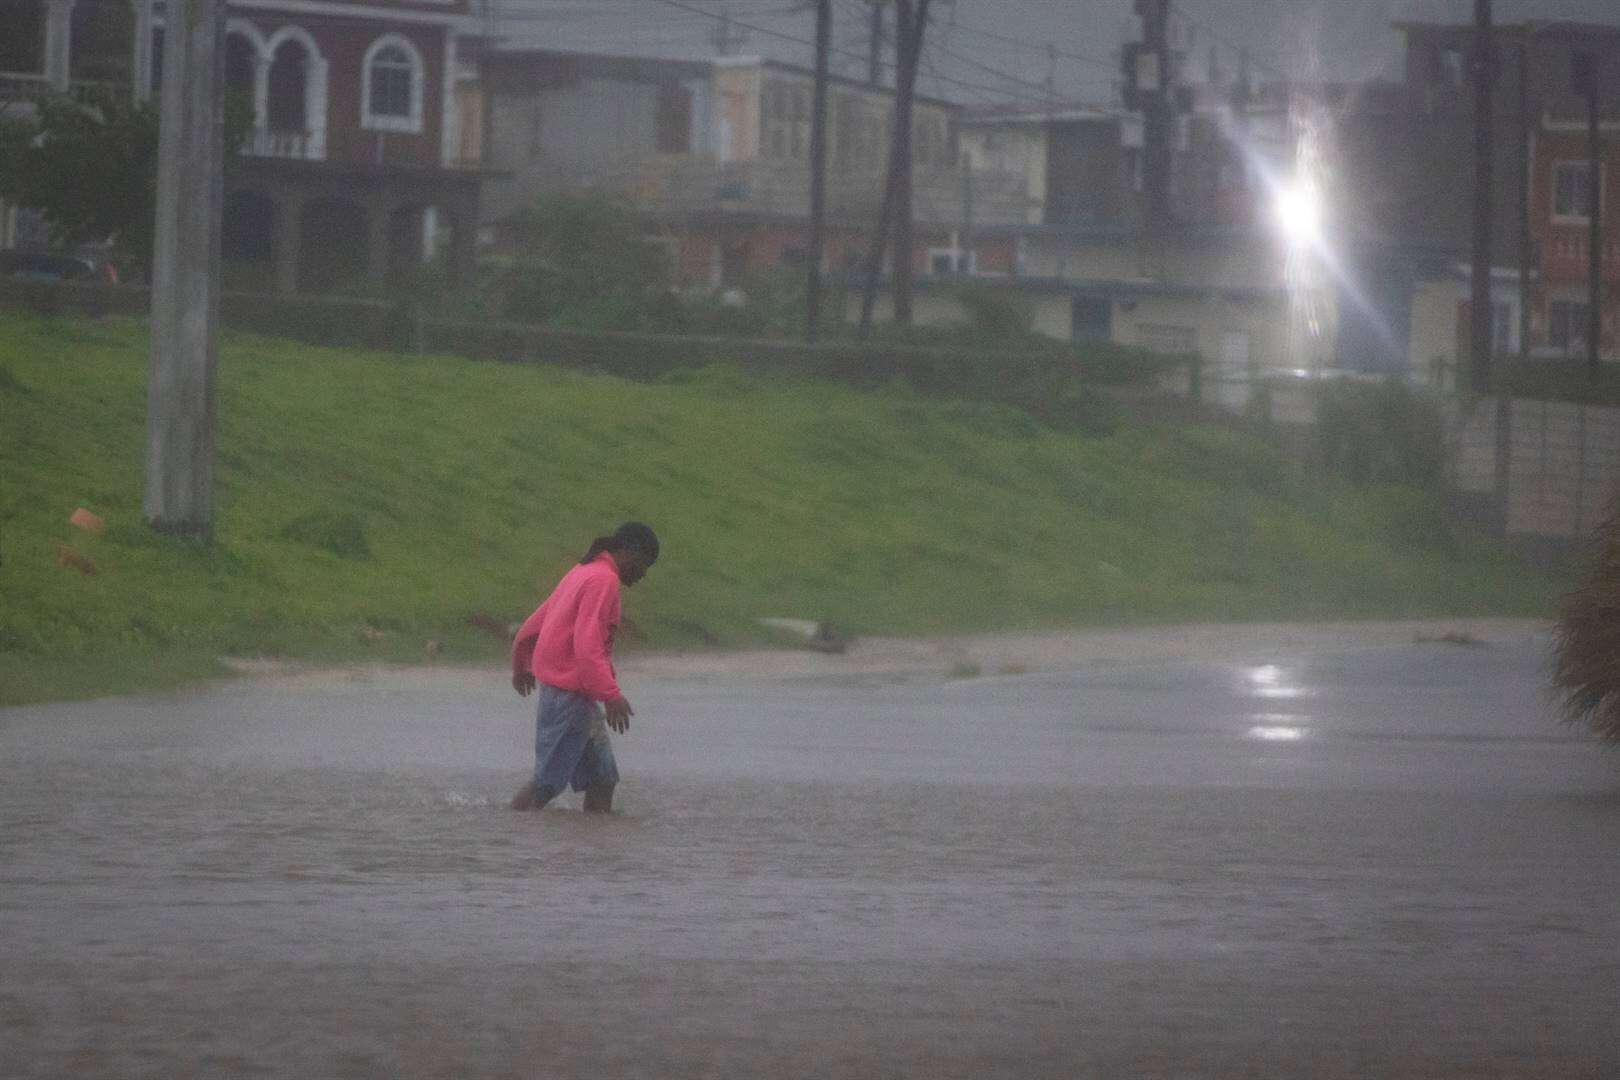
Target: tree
x,y
88,162
583,260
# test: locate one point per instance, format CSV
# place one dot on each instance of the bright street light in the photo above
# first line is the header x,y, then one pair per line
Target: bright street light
x,y
1299,214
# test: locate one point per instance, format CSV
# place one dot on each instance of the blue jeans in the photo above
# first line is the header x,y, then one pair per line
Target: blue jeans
x,y
571,745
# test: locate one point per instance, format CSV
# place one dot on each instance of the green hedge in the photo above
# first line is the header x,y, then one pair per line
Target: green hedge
x,y
1059,386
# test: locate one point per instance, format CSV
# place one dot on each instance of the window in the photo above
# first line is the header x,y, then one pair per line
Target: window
x,y
1134,168
1167,339
22,37
99,37
801,125
674,121
1504,339
288,104
392,94
1572,191
1451,67
1567,322
777,121
391,83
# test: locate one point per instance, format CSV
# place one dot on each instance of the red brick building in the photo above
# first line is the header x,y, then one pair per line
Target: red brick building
x,y
1542,189
362,156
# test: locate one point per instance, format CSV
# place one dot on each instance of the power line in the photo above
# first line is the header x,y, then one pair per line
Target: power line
x,y
1242,50
1037,46
620,14
946,79
1021,81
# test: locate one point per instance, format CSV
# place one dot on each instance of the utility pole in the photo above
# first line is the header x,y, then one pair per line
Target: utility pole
x,y
874,55
726,38
907,46
1526,149
818,171
965,254
1153,78
1587,83
910,22
1481,323
185,273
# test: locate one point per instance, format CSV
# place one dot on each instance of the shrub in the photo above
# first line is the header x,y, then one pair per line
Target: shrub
x,y
582,262
1382,433
999,311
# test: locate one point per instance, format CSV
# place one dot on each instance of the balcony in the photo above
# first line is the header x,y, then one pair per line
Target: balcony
x,y
21,86
286,145
686,184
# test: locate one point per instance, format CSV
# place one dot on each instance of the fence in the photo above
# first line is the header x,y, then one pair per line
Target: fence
x,y
1559,461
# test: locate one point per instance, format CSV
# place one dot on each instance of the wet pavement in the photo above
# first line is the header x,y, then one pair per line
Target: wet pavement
x,y
1374,862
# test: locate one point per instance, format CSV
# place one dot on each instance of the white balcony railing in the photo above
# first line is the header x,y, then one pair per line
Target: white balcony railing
x,y
682,183
21,84
293,145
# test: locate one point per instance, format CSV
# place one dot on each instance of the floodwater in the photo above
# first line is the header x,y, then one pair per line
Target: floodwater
x,y
1382,862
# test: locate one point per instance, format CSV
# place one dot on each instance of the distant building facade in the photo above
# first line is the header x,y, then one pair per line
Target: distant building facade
x,y
715,156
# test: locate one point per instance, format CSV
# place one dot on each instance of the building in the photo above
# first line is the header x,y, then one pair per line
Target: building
x,y
1408,161
715,156
364,148
1214,280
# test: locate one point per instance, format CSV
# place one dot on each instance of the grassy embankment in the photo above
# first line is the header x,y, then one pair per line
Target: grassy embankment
x,y
368,504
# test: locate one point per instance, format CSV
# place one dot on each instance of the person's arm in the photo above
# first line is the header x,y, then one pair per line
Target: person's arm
x,y
598,611
523,650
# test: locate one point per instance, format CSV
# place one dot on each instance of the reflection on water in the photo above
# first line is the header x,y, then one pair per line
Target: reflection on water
x,y
1271,681
1276,733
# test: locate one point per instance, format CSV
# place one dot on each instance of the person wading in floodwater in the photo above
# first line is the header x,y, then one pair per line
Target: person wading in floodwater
x,y
566,647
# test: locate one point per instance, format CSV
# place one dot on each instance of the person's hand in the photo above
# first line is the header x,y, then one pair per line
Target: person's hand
x,y
522,682
619,713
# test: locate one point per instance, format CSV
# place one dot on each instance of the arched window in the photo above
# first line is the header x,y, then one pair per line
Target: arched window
x,y
240,59
392,95
289,83
22,37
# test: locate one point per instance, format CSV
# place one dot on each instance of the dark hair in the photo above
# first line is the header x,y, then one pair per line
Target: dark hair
x,y
632,534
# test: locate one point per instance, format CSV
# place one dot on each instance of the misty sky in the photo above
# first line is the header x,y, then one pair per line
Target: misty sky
x,y
969,60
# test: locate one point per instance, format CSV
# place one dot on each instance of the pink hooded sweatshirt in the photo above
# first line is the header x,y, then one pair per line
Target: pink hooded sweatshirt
x,y
568,641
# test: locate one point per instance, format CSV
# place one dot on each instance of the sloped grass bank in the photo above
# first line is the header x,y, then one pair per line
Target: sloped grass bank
x,y
371,505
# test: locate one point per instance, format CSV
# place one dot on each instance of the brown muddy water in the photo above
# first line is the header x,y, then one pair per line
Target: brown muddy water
x,y
1380,862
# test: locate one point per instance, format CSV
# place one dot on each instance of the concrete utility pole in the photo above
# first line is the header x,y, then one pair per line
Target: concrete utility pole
x,y
818,170
1587,83
1482,322
185,272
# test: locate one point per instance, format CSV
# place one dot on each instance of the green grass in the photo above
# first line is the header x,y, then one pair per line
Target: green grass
x,y
368,503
